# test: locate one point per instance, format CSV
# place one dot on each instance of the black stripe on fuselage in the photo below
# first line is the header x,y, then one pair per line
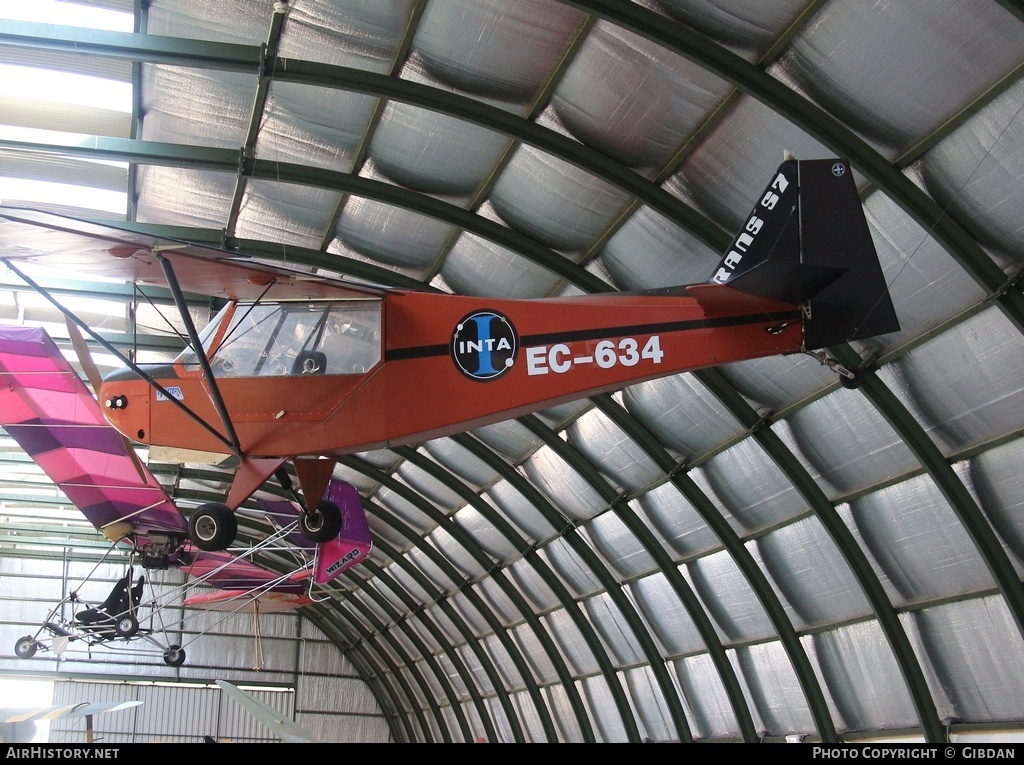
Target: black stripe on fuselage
x,y
578,335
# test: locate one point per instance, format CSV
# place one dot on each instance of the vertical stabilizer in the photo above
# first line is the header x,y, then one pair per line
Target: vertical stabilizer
x,y
771,231
806,242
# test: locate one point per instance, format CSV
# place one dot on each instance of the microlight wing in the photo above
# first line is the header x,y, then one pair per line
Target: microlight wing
x,y
49,411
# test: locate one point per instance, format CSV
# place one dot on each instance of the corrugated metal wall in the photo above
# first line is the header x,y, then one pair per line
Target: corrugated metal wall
x,y
319,689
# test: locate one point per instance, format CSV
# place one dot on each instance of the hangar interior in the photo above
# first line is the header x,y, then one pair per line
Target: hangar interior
x,y
751,552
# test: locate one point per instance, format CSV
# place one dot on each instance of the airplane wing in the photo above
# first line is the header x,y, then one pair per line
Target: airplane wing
x,y
266,714
47,408
18,724
58,712
76,246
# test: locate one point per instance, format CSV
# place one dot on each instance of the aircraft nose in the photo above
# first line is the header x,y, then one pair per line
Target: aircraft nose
x,y
123,397
112,392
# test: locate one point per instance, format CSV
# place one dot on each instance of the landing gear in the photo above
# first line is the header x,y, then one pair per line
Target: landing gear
x,y
25,648
323,525
174,656
212,526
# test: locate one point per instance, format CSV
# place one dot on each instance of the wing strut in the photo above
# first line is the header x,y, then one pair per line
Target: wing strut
x,y
233,446
193,336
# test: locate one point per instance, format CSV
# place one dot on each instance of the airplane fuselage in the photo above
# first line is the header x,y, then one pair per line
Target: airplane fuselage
x,y
445,364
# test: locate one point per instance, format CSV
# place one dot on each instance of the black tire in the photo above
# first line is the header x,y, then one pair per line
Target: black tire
x,y
126,626
212,526
174,656
25,648
854,381
323,525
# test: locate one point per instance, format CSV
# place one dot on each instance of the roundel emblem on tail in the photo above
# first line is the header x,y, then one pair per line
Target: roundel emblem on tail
x,y
484,345
838,169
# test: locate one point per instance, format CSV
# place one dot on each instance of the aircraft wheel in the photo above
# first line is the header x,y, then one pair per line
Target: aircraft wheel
x,y
854,382
212,526
126,626
174,656
323,525
25,648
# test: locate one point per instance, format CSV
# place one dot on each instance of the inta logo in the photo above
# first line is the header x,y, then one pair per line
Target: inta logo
x,y
484,345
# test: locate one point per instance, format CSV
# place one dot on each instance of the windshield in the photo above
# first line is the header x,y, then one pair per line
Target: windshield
x,y
273,339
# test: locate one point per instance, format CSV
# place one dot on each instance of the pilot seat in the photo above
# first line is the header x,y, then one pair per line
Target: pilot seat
x,y
121,601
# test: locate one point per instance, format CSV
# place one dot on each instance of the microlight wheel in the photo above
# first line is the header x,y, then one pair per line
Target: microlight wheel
x,y
25,648
174,656
323,525
126,626
212,526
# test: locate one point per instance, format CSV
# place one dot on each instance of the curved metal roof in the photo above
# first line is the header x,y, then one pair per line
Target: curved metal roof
x,y
734,554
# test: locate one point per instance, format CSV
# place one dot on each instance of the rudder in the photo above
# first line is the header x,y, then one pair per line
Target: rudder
x,y
835,233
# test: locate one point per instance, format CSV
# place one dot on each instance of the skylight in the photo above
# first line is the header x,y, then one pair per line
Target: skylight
x,y
27,92
68,14
65,87
22,193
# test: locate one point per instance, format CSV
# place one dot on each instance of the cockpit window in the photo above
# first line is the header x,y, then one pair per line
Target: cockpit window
x,y
276,339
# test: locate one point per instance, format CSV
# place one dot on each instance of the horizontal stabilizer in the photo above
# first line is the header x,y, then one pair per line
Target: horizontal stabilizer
x,y
793,283
726,300
18,724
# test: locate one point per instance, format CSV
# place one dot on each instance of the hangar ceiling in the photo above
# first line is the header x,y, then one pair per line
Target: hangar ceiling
x,y
741,553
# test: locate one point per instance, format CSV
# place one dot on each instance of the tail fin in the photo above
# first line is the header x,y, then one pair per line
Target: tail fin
x,y
807,242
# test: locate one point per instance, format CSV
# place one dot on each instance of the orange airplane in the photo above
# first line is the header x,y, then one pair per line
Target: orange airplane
x,y
302,368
